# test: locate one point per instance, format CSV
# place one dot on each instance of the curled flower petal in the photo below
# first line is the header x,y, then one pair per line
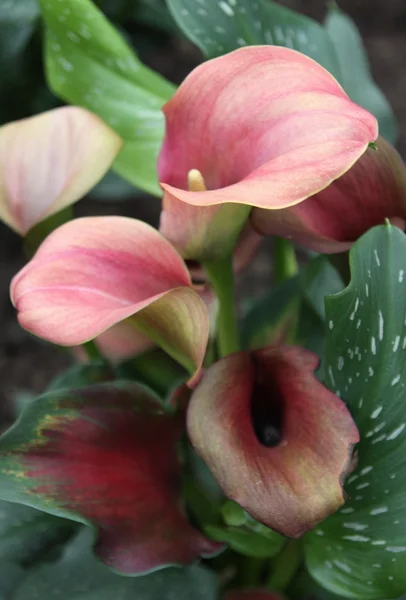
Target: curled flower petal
x,y
265,126
50,161
278,442
92,273
118,343
107,455
332,220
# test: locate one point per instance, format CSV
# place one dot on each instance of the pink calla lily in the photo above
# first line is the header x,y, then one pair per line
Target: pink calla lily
x,y
93,273
50,161
123,341
262,126
278,442
332,220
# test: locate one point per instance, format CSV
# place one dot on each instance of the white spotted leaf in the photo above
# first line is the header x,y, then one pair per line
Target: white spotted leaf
x,y
89,64
356,77
220,26
360,551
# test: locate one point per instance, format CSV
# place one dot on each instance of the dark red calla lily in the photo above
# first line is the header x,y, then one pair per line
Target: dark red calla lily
x,y
331,221
107,455
278,442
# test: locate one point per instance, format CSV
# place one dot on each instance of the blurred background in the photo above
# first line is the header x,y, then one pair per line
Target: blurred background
x,y
28,364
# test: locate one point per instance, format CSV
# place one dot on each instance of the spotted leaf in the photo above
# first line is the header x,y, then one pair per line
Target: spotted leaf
x,y
220,26
89,64
360,551
356,75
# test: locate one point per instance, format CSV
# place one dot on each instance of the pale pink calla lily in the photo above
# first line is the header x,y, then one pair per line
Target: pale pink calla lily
x,y
50,161
262,126
95,272
331,221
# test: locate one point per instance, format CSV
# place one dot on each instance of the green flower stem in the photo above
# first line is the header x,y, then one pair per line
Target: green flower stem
x,y
285,263
221,277
284,566
92,351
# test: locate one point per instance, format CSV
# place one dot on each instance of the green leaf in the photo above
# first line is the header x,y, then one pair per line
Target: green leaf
x,y
356,77
27,535
17,22
276,313
79,576
154,13
11,576
155,369
81,375
89,64
360,552
218,27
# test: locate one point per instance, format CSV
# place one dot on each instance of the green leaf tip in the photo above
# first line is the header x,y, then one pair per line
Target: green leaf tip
x,y
373,145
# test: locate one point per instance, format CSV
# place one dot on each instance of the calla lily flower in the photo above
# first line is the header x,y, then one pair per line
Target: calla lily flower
x,y
107,456
123,341
93,273
50,161
277,441
331,221
263,126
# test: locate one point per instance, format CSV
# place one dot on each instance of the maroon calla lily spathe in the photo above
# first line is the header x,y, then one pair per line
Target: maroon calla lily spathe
x,y
108,455
331,221
263,126
278,442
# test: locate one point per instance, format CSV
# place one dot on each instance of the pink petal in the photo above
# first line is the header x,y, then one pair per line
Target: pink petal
x,y
118,343
92,273
332,220
50,161
265,126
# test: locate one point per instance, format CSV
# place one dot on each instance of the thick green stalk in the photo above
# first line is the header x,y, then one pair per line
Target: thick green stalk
x,y
221,277
285,263
92,351
284,566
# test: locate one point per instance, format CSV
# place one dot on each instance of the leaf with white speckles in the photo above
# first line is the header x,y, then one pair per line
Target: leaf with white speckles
x,y
89,64
356,76
220,26
360,551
